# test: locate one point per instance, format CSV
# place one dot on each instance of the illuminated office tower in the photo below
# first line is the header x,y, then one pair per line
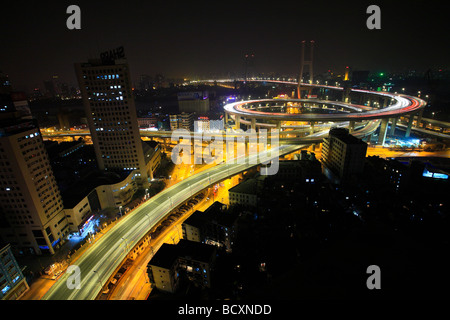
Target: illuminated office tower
x,y
111,113
32,219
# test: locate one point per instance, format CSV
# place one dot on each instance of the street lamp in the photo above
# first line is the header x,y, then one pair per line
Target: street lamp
x,y
149,221
98,276
126,244
120,210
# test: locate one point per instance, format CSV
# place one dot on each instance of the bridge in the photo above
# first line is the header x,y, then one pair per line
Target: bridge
x,y
381,105
100,261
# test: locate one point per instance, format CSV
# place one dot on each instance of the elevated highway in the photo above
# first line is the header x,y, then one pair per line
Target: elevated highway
x,y
99,262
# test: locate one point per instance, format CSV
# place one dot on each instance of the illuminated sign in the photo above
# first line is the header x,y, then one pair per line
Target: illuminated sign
x,y
435,175
111,55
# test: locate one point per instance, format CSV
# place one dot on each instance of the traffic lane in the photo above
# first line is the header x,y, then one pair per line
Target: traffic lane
x,y
158,209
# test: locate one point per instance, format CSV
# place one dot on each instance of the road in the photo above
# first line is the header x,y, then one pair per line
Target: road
x,y
100,261
134,284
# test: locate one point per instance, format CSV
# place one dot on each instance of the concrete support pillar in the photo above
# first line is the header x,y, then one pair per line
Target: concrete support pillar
x,y
385,102
410,122
346,95
369,138
351,126
237,121
253,125
165,144
311,127
393,125
419,118
279,126
226,118
383,131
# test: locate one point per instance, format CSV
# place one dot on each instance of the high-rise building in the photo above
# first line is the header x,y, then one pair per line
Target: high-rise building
x,y
12,282
342,155
193,102
111,113
32,219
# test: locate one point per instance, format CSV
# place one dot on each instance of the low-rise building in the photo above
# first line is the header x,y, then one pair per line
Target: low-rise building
x,y
305,168
163,268
96,192
192,259
214,226
151,122
101,190
197,101
245,193
182,121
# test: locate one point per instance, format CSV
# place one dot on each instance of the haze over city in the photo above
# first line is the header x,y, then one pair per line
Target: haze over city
x,y
185,39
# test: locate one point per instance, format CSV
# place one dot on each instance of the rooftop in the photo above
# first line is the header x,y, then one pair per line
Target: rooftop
x,y
165,257
191,250
80,189
195,250
246,187
344,135
213,214
149,148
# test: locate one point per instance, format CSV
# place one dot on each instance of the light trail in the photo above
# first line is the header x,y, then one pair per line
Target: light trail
x,y
98,263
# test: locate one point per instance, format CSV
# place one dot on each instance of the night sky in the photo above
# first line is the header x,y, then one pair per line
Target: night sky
x,y
203,39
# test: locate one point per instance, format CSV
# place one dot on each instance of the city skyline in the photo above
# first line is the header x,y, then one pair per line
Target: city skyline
x,y
197,40
224,151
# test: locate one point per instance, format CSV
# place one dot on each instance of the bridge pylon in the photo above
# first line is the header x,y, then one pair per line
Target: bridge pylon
x,y
304,63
